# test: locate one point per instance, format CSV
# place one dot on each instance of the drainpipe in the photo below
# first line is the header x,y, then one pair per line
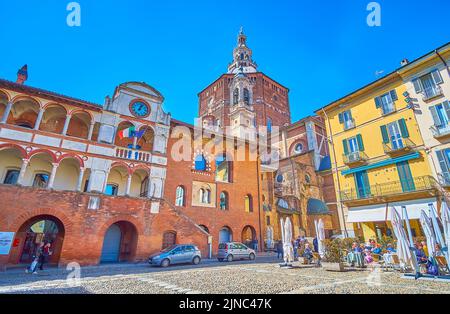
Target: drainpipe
x,y
339,201
258,176
443,61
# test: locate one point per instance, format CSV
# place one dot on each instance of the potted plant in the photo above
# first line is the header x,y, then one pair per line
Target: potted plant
x,y
332,260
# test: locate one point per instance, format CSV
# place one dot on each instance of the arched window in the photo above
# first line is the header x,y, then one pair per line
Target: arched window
x,y
223,168
246,96
207,196
307,179
298,148
179,199
144,188
280,178
248,203
223,201
200,163
235,96
41,180
11,177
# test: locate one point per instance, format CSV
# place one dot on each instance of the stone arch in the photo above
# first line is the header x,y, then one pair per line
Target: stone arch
x,y
128,242
80,123
225,234
24,111
22,151
42,151
124,142
248,235
4,100
76,157
54,118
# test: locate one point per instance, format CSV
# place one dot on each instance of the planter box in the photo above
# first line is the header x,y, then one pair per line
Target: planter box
x,y
333,266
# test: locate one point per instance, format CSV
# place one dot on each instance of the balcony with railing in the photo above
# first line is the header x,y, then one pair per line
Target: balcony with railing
x,y
133,154
390,191
400,146
431,92
440,132
355,158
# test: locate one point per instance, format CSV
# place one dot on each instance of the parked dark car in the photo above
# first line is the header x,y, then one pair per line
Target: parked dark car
x,y
176,254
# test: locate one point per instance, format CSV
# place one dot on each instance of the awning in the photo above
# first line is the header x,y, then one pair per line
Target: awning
x,y
382,212
383,163
317,207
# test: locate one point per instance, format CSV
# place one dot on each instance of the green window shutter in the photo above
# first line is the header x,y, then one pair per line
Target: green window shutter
x,y
417,85
360,142
341,118
403,128
393,95
384,134
446,105
345,145
441,157
436,119
437,77
378,102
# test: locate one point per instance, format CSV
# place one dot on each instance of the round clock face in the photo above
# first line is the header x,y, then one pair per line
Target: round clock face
x,y
140,109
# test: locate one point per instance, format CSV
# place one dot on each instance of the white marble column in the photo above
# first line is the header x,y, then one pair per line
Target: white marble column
x,y
149,188
105,184
135,142
39,118
51,181
6,113
66,124
23,168
128,186
80,179
91,130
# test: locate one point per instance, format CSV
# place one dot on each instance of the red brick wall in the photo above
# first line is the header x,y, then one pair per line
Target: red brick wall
x,y
264,90
244,181
85,228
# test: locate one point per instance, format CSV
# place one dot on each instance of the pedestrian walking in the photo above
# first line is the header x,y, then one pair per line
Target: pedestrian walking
x,y
316,245
279,249
255,245
46,252
36,258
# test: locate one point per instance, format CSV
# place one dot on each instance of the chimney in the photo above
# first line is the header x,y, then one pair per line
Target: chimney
x,y
404,62
22,75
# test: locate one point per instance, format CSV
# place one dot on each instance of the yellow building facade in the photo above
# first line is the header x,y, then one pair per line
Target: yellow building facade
x,y
379,158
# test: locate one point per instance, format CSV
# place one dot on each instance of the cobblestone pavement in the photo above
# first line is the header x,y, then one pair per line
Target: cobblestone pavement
x,y
260,277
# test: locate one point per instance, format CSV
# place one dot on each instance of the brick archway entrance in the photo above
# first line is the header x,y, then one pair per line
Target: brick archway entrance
x,y
33,232
119,243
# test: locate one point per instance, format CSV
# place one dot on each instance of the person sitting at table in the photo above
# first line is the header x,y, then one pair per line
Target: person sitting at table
x,y
425,248
438,250
420,254
377,249
390,248
308,253
368,257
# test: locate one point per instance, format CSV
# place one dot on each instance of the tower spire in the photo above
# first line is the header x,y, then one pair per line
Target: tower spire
x,y
242,56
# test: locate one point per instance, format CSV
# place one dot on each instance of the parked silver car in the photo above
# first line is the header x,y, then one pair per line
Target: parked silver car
x,y
234,251
176,254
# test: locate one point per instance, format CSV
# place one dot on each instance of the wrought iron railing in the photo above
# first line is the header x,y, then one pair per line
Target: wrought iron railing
x,y
398,145
431,92
439,131
355,157
424,183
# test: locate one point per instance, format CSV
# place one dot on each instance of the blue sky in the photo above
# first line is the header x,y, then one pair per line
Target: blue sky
x,y
320,49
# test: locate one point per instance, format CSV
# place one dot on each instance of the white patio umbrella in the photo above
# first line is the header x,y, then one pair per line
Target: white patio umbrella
x,y
403,252
427,227
286,233
437,230
269,237
445,219
320,237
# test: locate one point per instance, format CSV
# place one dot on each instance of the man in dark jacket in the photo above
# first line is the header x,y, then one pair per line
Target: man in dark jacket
x,y
279,249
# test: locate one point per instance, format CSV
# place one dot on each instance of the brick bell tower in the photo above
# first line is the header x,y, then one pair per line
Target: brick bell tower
x,y
243,98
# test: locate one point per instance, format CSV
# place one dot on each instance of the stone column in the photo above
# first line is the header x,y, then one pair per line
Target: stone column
x,y
134,142
52,176
128,186
91,130
149,188
23,168
66,124
80,179
6,113
105,184
39,118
